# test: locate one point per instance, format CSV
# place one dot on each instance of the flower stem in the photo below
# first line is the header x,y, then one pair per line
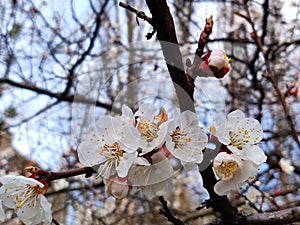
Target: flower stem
x,y
88,171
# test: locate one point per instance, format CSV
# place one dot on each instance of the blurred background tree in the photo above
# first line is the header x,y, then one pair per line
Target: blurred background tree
x,y
49,50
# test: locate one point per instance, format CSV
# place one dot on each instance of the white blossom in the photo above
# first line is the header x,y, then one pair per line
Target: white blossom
x,y
26,197
232,171
241,136
113,145
186,139
152,134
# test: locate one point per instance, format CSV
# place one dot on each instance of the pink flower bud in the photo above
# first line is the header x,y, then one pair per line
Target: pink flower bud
x,y
295,92
215,62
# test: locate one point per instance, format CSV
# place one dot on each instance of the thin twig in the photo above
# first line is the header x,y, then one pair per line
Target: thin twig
x,y
165,211
139,14
193,69
88,171
55,222
50,176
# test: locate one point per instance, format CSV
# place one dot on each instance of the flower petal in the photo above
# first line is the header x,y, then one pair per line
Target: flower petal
x,y
127,115
222,132
146,112
255,154
159,171
2,213
235,116
45,214
253,128
224,187
88,155
12,181
158,189
125,163
128,138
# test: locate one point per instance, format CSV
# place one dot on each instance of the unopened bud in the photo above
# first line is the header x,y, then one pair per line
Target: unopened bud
x,y
34,170
215,62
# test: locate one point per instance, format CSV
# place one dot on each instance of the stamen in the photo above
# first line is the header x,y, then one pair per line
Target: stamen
x,y
181,138
148,130
27,196
240,138
227,169
111,151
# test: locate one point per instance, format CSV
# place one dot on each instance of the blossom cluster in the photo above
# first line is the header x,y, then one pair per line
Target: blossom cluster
x,y
239,158
133,149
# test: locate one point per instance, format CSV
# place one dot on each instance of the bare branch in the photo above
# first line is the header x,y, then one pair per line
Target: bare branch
x,y
139,14
269,75
285,216
58,96
167,212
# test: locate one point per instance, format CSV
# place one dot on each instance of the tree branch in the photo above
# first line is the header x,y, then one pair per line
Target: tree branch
x,y
58,96
167,212
163,23
82,57
285,216
166,34
282,217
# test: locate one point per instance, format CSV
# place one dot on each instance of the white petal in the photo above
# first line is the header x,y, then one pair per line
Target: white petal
x,y
155,143
46,214
158,189
224,187
246,169
128,138
107,128
235,115
119,188
127,114
27,214
237,151
125,163
254,129
159,171
218,59
189,151
107,169
255,154
4,197
12,181
188,165
88,155
2,213
222,132
189,119
249,169
146,111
